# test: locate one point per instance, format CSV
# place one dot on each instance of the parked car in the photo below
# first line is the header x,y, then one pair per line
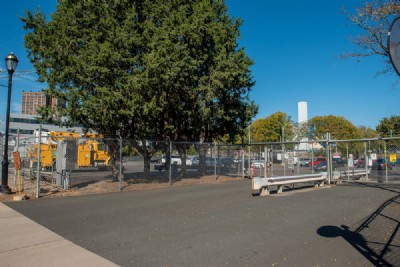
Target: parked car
x,y
258,164
237,160
317,161
322,166
176,160
304,162
226,162
360,163
195,161
209,161
338,162
380,164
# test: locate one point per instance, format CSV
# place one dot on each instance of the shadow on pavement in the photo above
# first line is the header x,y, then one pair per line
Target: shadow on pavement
x,y
377,238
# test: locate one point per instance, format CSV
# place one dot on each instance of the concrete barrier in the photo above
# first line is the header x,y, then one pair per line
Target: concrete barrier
x,y
262,185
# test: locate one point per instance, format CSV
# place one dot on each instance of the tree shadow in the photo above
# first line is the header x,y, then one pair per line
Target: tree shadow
x,y
381,248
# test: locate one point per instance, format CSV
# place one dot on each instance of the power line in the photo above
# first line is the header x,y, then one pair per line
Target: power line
x,y
19,73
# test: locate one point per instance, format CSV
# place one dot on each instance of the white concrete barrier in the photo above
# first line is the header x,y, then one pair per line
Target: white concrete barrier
x,y
262,185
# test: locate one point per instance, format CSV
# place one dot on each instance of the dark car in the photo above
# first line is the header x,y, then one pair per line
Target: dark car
x,y
322,166
360,163
317,161
226,162
338,162
380,164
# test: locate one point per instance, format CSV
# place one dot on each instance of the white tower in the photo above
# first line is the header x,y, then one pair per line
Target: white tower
x,y
302,112
302,119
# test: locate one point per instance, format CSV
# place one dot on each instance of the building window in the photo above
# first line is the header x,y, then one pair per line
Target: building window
x,y
15,131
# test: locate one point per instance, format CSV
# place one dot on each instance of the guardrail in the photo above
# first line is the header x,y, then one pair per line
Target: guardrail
x,y
355,173
262,185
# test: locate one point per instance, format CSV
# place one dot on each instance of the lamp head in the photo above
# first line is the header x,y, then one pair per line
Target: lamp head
x,y
11,62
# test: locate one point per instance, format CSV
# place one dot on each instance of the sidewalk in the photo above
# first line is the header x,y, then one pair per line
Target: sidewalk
x,y
26,243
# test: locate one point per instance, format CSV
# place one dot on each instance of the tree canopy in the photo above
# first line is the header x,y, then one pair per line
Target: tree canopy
x,y
367,132
374,19
271,128
338,127
150,69
389,127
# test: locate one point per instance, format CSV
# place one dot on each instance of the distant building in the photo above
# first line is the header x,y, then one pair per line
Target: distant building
x,y
31,101
26,124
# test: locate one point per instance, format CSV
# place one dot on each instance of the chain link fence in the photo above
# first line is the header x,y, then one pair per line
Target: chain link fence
x,y
376,160
70,164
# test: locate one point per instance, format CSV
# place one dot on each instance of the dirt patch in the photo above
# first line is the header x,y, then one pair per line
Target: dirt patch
x,y
106,186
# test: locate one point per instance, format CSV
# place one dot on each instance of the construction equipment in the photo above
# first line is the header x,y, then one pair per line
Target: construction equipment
x,y
89,151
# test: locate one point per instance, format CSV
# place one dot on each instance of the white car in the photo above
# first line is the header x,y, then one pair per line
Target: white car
x,y
258,164
304,162
176,159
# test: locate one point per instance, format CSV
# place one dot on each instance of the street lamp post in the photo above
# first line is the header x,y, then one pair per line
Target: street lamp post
x,y
11,65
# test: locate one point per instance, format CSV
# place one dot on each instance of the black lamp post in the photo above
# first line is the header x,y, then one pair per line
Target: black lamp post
x,y
11,64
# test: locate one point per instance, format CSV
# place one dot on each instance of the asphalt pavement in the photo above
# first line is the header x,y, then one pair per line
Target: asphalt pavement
x,y
352,224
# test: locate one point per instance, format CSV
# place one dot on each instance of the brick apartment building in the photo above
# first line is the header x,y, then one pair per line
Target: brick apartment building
x,y
33,100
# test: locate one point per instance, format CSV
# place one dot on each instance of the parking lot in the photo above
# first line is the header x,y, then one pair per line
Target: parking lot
x,y
354,224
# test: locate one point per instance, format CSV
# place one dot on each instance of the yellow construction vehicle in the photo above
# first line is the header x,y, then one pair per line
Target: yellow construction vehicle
x,y
90,152
47,155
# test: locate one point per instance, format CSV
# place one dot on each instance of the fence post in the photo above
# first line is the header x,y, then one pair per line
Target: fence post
x,y
16,150
249,157
38,163
366,160
348,162
283,157
312,157
297,153
266,160
271,159
170,165
216,158
386,165
120,162
242,160
328,156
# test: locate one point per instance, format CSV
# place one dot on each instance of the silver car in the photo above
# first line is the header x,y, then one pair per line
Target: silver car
x,y
304,162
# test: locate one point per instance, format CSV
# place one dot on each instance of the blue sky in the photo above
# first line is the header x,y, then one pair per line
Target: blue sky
x,y
296,46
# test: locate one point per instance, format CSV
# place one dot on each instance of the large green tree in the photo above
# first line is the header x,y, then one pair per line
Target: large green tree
x,y
150,69
373,18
